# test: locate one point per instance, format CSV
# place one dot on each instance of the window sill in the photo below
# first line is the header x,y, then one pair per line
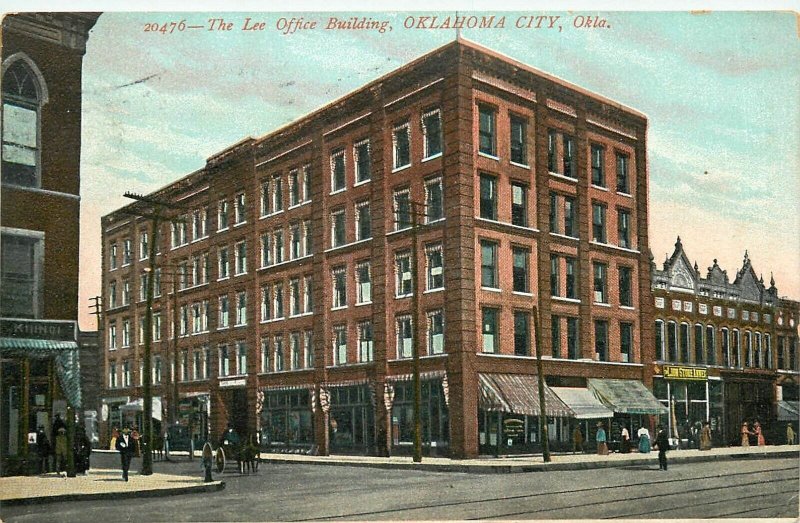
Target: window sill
x,y
627,307
301,315
223,278
432,157
363,303
270,215
239,325
433,291
625,194
599,187
599,304
240,274
612,246
299,204
401,168
235,225
491,289
565,300
337,191
505,224
223,229
557,235
521,293
563,177
223,328
339,308
362,182
490,156
403,296
344,246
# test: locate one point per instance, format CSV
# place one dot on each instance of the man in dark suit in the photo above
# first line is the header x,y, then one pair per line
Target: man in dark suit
x,y
662,442
125,446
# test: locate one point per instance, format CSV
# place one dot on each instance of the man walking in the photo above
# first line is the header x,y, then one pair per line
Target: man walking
x,y
662,442
125,446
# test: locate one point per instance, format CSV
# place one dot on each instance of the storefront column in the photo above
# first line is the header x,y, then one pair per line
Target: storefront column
x,y
24,422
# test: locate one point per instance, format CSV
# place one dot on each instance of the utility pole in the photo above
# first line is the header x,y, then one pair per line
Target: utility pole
x,y
173,404
97,306
540,372
155,215
415,322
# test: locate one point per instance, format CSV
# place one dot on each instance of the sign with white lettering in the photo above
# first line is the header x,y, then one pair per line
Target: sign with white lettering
x,y
233,383
38,329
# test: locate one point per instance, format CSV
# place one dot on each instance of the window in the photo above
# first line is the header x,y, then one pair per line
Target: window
x,y
672,342
489,265
307,183
157,326
600,271
598,171
363,163
365,348
294,296
683,340
126,291
337,171
183,329
520,271
435,332
295,241
266,198
197,224
277,347
487,132
748,349
489,330
555,275
434,202
241,357
363,221
207,360
519,150
240,209
127,256
196,319
157,370
363,283
144,252
573,345
277,193
277,246
222,321
626,342
554,199
711,355
488,194
140,331
401,144
294,188
405,338
623,228
337,228
266,302
622,173
277,302
295,361
112,337
340,345
402,210
570,217
519,204
112,373
197,365
339,287
112,257
241,308
568,156
23,96
222,263
206,268
224,361
432,133
601,340
598,223
307,250
307,294
555,336
265,367
241,258
183,275
566,166
435,266
625,291
659,339
184,364
698,344
112,293
570,280
222,215
522,337
308,346
403,280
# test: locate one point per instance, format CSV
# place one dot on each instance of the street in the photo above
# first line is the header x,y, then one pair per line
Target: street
x,y
743,488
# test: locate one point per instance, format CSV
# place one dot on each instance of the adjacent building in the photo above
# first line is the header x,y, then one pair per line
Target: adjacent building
x,y
42,57
725,351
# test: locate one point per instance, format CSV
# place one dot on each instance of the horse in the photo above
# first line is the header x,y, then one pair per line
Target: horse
x,y
248,457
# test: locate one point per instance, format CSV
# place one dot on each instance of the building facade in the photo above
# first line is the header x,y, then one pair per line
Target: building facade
x,y
42,56
726,351
292,257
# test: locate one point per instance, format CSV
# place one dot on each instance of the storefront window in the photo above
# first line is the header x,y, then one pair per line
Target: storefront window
x,y
434,415
287,418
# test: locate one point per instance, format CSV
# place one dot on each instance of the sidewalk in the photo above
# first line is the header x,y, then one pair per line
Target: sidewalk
x,y
486,465
98,484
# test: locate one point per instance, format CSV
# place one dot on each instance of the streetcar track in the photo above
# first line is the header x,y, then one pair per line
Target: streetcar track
x,y
739,512
553,493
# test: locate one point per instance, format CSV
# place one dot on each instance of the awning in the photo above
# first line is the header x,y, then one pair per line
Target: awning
x,y
137,405
626,396
517,394
788,411
65,354
582,403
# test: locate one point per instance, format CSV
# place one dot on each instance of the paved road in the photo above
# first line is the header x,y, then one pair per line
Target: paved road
x,y
742,489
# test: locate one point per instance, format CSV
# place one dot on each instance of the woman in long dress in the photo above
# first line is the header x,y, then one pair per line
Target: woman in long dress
x,y
759,435
626,441
705,437
600,438
644,440
745,435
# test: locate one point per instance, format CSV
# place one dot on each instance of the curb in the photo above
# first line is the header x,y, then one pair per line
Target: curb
x,y
537,467
175,491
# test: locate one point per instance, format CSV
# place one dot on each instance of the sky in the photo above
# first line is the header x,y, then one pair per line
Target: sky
x,y
720,90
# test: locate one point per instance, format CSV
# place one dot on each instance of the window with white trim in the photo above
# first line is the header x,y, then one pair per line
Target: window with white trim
x,y
222,215
266,198
127,254
266,302
434,266
294,296
307,244
365,342
487,130
338,179
363,283
295,361
362,161
340,345
339,280
405,337
224,361
338,237
432,133
126,333
223,312
241,357
144,252
401,145
112,257
435,332
223,269
308,288
403,281
277,301
490,330
295,241
306,183
402,209
22,100
277,193
434,200
265,349
240,214
266,249
241,258
308,348
294,187
241,308
363,221
277,246
112,337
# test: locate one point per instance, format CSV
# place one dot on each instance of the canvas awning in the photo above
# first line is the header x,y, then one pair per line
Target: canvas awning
x,y
626,396
517,394
137,405
582,403
788,411
65,354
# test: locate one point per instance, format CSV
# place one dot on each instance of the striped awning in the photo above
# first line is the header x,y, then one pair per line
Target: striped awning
x,y
63,352
582,403
424,376
517,394
278,388
34,344
788,411
626,396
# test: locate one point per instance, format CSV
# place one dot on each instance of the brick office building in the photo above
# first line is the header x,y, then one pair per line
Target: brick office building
x,y
293,262
42,59
725,351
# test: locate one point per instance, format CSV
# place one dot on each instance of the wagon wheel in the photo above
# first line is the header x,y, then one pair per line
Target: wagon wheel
x,y
219,459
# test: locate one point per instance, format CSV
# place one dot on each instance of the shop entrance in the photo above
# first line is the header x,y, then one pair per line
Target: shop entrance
x,y
236,405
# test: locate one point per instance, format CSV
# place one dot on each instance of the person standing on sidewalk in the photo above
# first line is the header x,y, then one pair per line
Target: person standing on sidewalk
x,y
644,440
662,443
43,450
705,436
759,434
745,435
602,446
125,446
61,451
789,434
577,440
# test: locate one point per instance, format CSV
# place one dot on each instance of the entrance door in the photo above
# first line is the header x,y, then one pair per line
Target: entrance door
x,y
238,412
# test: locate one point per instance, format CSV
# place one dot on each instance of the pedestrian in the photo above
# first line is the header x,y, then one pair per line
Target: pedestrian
x,y
759,434
114,437
625,445
745,435
137,443
125,446
644,440
602,446
789,434
61,451
577,440
705,436
43,450
81,450
662,443
58,423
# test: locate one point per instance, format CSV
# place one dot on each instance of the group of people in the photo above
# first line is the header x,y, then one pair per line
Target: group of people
x,y
755,432
59,448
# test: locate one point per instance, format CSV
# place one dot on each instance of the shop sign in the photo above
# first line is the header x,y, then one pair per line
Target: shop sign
x,y
675,372
513,427
38,329
234,383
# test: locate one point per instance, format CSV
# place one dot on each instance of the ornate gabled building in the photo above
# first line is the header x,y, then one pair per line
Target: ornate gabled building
x,y
725,351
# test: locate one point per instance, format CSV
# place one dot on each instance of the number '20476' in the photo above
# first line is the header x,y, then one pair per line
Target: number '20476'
x,y
165,28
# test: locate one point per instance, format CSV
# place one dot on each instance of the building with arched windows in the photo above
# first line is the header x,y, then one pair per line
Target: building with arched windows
x,y
42,56
725,351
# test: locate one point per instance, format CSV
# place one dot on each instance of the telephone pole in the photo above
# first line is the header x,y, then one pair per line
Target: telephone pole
x,y
97,309
540,372
415,323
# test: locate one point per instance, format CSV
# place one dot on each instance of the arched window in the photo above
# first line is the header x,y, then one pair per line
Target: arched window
x,y
737,357
660,340
683,357
672,342
23,96
711,346
698,344
727,361
748,349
